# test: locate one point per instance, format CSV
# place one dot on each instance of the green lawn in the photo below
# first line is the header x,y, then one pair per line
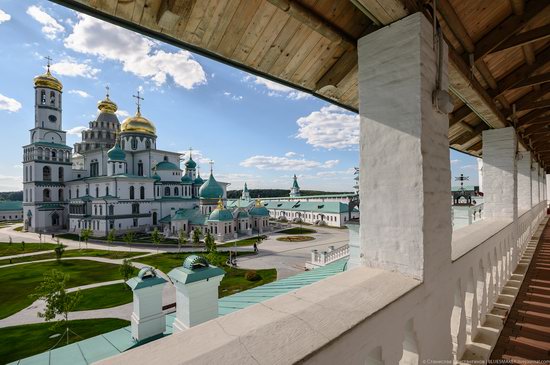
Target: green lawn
x,y
233,281
104,297
246,242
18,229
73,253
17,282
18,342
295,238
17,248
298,230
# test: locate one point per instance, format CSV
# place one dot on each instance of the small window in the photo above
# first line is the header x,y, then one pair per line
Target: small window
x,y
43,97
134,143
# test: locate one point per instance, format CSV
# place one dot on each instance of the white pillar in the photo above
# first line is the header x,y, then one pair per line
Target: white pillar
x,y
405,196
480,173
500,172
147,315
524,181
535,182
354,245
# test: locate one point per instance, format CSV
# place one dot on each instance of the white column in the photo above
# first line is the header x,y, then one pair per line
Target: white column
x,y
480,173
524,181
535,182
405,196
499,170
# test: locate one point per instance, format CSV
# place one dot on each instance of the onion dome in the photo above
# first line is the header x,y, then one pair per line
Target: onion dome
x,y
138,124
48,81
185,179
198,180
243,214
166,165
116,153
107,105
259,210
211,189
190,164
220,213
156,177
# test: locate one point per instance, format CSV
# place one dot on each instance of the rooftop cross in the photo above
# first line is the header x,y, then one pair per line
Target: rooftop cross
x,y
211,166
462,178
49,62
138,103
190,152
107,90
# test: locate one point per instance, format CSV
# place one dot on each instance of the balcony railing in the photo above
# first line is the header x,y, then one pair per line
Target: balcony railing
x,y
323,258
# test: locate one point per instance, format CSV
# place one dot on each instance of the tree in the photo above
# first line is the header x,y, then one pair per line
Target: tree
x,y
58,302
156,237
59,250
111,237
86,233
129,238
196,236
126,269
182,239
210,243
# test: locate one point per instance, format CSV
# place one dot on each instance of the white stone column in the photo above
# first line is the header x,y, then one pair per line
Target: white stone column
x,y
405,197
500,173
535,182
524,181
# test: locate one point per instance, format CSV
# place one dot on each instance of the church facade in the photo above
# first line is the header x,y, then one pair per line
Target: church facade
x,y
118,179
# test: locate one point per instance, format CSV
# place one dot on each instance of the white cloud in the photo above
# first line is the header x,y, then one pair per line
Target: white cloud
x,y
468,167
11,183
197,155
72,68
76,131
4,17
136,53
80,93
454,161
50,27
285,163
275,89
233,96
293,154
122,113
331,127
9,104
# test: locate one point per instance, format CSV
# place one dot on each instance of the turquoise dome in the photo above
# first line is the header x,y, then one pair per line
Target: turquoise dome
x,y
190,164
116,154
156,177
211,189
165,165
243,214
259,210
223,215
199,180
186,180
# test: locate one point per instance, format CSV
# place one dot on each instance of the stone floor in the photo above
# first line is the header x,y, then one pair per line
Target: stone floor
x,y
526,334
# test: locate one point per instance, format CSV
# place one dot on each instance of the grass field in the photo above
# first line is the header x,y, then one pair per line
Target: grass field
x,y
233,281
73,253
298,230
107,296
18,342
17,248
17,282
295,238
245,242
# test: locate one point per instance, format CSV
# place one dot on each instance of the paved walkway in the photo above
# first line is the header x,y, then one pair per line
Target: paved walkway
x,y
526,334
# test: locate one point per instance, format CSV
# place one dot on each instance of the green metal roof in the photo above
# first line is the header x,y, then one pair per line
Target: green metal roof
x,y
194,216
342,195
9,205
50,144
299,206
243,203
166,219
116,153
143,281
115,342
222,215
211,189
185,275
259,211
165,165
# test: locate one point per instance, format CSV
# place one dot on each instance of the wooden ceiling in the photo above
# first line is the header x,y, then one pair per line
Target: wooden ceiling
x,y
499,59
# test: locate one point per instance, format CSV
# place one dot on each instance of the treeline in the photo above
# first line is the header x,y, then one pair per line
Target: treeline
x,y
276,193
11,195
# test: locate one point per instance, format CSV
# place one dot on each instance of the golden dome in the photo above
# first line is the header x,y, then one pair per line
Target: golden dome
x,y
47,80
107,105
138,124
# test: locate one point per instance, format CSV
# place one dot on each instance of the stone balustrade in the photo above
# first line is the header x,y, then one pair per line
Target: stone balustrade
x,y
326,257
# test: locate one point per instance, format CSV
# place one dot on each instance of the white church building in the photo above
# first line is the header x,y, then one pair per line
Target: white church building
x,y
118,179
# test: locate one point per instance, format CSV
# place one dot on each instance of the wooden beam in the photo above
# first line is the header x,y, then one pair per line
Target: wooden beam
x,y
535,105
536,121
339,70
506,29
460,114
518,6
533,80
530,97
521,73
525,38
531,116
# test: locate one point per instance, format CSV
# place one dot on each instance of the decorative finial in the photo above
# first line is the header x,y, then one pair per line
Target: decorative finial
x,y
258,203
49,62
190,152
220,203
138,101
107,91
198,171
211,166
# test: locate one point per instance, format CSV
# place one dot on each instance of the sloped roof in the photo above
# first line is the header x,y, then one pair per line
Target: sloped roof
x,y
319,207
194,216
10,205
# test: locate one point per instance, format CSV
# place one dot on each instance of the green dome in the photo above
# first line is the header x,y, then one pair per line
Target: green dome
x,y
211,189
190,164
259,210
223,215
194,262
186,180
165,165
199,180
116,154
156,177
243,214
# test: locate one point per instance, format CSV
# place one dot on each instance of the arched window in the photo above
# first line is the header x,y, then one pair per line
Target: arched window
x,y
46,195
176,191
106,190
155,218
135,208
148,143
140,168
97,191
131,192
60,195
111,210
70,193
167,191
142,192
134,143
43,97
165,158
95,209
46,173
52,98
60,174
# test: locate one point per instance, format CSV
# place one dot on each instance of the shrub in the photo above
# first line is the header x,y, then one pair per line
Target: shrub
x,y
252,276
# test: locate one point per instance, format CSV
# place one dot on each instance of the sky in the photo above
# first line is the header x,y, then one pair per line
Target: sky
x,y
255,130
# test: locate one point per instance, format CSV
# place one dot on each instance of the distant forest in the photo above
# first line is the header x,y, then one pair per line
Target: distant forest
x,y
12,195
277,193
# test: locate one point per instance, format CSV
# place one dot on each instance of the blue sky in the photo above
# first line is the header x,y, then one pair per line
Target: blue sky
x,y
253,129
